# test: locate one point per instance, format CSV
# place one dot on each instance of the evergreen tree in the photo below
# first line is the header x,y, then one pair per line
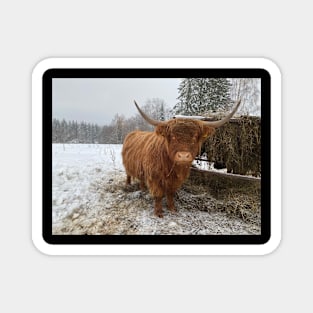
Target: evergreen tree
x,y
187,96
218,94
63,131
56,131
75,132
162,112
82,138
200,95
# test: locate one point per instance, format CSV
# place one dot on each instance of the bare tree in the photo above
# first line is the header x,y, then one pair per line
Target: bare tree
x,y
249,91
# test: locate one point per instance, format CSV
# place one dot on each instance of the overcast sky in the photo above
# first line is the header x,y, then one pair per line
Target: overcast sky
x,y
97,100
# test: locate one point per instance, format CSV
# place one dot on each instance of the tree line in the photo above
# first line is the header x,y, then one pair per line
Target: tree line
x,y
82,132
196,96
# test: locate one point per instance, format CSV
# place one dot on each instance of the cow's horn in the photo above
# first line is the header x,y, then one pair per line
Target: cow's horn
x,y
221,122
146,117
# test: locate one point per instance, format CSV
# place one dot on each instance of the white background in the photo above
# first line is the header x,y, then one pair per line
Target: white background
x,y
33,30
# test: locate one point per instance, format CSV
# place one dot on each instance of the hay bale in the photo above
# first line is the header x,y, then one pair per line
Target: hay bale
x,y
237,146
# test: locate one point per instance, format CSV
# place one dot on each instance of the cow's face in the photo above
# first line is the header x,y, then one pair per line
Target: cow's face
x,y
184,138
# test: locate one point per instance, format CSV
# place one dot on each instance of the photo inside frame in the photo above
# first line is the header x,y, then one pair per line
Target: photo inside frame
x,y
104,186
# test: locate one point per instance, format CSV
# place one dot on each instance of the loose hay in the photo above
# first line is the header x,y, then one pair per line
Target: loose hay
x,y
122,210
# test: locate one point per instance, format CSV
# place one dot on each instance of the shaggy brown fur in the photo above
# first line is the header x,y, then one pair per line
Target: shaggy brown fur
x,y
155,157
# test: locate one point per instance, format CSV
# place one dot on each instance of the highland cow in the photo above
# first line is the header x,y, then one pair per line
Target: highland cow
x,y
161,159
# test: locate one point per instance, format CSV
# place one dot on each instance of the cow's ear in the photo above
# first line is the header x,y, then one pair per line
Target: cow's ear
x,y
207,131
161,130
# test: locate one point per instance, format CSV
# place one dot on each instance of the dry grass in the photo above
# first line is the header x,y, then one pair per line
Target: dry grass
x,y
127,210
237,146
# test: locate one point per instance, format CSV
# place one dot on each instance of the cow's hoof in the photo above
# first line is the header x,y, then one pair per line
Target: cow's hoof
x,y
159,214
172,209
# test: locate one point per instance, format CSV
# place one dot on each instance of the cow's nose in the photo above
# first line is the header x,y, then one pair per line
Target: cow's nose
x,y
183,156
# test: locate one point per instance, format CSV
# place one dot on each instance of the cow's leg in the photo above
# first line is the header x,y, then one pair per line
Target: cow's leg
x,y
158,207
158,193
142,185
170,201
128,180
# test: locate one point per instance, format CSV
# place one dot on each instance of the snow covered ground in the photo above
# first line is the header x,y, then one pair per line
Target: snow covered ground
x,y
89,197
74,168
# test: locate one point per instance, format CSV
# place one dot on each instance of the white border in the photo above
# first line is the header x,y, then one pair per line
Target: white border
x,y
235,249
